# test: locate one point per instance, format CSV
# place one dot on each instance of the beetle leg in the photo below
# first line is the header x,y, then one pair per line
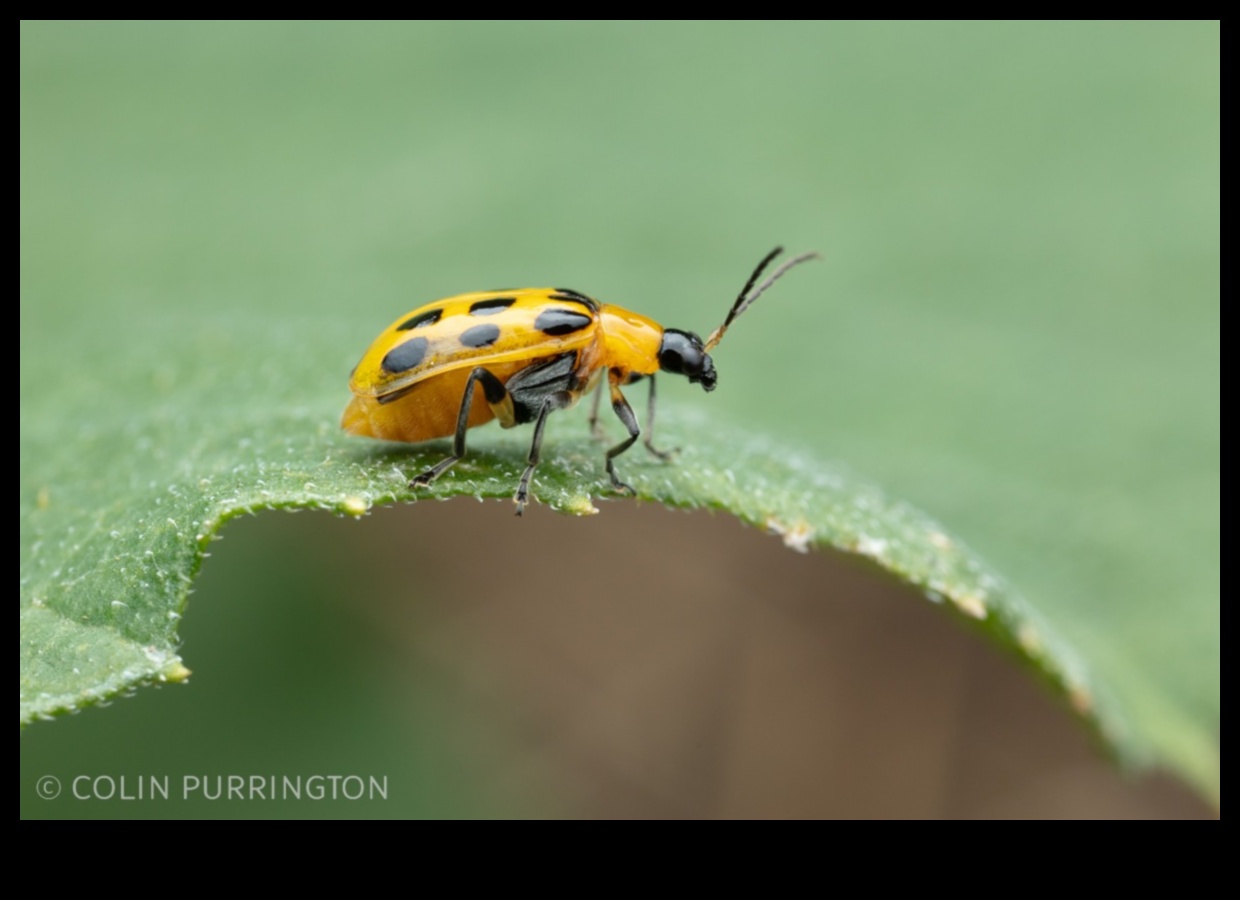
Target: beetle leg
x,y
664,455
550,404
624,412
495,393
596,433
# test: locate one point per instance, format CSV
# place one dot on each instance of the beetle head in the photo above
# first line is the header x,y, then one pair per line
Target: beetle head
x,y
683,353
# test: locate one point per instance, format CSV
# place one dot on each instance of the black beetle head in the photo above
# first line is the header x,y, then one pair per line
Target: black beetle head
x,y
683,353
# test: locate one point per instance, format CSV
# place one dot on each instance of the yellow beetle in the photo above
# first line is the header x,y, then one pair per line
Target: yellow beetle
x,y
533,351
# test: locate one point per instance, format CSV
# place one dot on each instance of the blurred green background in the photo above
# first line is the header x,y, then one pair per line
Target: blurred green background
x,y
1016,327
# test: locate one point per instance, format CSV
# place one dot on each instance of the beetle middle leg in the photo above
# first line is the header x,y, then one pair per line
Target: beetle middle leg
x,y
550,404
495,393
536,393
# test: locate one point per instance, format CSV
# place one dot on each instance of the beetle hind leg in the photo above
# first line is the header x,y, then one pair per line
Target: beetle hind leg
x,y
495,393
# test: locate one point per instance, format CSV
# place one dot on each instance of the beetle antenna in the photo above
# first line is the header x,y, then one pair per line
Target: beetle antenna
x,y
746,298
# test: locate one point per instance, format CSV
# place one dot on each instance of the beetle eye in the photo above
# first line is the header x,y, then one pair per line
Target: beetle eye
x,y
677,353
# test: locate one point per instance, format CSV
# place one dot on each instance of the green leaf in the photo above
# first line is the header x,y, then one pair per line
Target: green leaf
x,y
1016,326
109,554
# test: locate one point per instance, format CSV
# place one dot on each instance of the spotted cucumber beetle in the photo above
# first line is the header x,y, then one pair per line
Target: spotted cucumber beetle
x,y
533,351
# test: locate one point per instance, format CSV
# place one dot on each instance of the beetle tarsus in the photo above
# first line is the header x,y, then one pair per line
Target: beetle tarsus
x,y
664,455
621,488
430,475
426,479
522,496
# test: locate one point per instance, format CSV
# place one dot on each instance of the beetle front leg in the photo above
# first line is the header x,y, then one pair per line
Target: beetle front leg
x,y
624,413
495,393
664,455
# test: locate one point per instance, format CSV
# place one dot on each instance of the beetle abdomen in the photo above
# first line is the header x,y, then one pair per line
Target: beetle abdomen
x,y
426,411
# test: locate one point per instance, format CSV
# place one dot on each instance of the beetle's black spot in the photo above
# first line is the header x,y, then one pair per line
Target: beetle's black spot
x,y
430,317
492,306
406,356
480,336
557,321
576,297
